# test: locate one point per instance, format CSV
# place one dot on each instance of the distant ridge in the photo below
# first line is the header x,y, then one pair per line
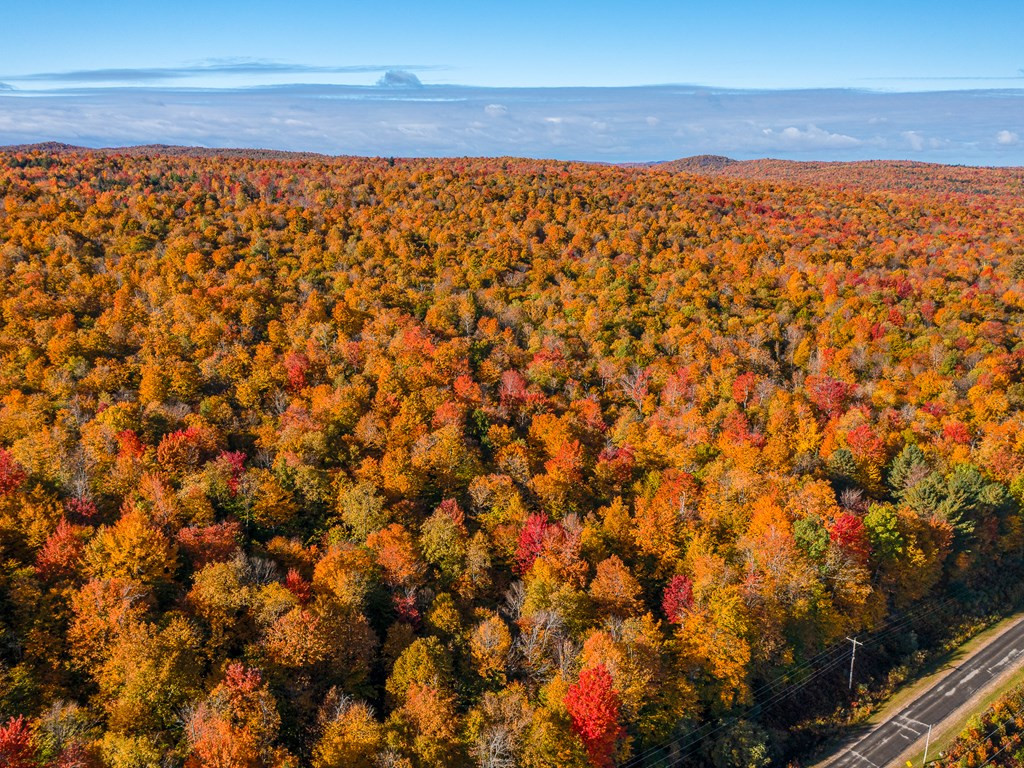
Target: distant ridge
x,y
141,150
697,163
864,174
56,147
882,175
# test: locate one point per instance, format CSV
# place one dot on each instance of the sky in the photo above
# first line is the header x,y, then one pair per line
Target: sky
x,y
105,61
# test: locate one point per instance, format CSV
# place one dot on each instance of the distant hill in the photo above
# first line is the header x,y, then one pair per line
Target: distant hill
x,y
866,174
697,164
54,147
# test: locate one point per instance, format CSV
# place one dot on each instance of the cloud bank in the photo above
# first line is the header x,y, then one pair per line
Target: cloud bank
x,y
229,67
980,127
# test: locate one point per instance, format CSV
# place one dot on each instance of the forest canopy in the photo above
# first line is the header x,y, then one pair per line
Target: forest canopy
x,y
411,464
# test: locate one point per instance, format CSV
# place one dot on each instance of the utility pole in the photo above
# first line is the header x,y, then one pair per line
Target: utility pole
x,y
853,656
927,740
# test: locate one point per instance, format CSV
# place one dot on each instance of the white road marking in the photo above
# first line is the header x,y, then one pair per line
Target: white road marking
x,y
970,675
930,705
1005,660
859,755
904,725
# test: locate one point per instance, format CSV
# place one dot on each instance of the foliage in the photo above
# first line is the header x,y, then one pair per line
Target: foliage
x,y
995,737
482,462
593,707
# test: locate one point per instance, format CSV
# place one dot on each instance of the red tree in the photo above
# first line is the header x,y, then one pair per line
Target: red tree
x,y
743,387
957,432
828,395
405,608
61,552
81,508
12,475
211,543
298,586
849,533
16,748
531,541
678,598
593,708
296,366
129,445
232,463
865,445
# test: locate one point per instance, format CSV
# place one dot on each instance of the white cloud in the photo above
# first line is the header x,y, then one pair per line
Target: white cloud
x,y
915,139
812,137
613,124
920,143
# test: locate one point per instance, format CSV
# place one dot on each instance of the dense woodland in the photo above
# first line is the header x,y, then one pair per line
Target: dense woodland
x,y
427,464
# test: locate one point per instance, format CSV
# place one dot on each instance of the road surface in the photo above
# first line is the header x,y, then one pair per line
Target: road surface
x,y
882,746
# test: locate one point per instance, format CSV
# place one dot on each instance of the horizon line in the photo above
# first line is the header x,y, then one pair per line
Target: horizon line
x,y
56,147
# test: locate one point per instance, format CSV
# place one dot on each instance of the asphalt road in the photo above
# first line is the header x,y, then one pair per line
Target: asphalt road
x,y
880,747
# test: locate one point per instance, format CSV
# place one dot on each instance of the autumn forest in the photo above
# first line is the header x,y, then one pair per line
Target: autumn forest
x,y
500,463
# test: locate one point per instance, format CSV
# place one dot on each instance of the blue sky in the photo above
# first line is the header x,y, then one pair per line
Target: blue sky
x,y
530,43
226,74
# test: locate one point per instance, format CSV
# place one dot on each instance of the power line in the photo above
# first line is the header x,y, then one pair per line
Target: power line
x,y
906,619
687,748
979,740
889,627
990,734
892,625
996,754
696,737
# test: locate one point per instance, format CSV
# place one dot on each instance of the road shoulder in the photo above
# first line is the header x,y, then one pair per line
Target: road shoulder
x,y
946,732
909,692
